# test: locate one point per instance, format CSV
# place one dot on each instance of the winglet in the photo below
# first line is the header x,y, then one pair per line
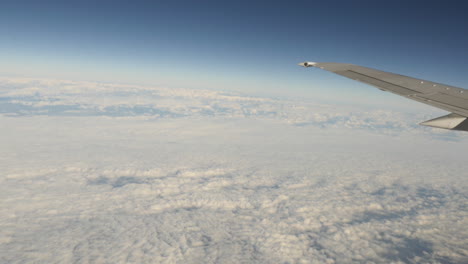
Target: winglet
x,y
307,64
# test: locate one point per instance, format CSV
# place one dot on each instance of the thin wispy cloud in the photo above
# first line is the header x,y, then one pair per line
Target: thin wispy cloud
x,y
29,97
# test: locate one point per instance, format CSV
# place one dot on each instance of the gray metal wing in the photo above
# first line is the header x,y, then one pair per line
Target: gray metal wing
x,y
446,97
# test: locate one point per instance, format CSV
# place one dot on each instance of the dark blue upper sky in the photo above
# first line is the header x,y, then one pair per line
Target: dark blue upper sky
x,y
242,45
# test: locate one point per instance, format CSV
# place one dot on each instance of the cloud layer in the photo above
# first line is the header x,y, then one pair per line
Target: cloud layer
x,y
223,188
26,97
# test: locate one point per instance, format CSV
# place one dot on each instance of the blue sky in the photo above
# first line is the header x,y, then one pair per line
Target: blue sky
x,y
94,172
250,46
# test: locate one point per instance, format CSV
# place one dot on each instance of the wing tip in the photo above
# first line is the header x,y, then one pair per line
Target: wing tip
x,y
307,64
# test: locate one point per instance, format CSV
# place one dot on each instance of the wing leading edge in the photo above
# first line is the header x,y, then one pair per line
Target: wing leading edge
x,y
446,97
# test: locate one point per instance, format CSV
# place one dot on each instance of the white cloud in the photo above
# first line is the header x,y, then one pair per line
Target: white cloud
x,y
241,186
19,97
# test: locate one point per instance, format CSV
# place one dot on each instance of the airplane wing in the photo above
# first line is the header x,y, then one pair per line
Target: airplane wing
x,y
446,97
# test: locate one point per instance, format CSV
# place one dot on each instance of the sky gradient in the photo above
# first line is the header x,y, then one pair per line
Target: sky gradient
x,y
185,132
246,46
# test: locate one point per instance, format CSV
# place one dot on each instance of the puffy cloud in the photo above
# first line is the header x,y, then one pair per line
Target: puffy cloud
x,y
242,186
227,214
